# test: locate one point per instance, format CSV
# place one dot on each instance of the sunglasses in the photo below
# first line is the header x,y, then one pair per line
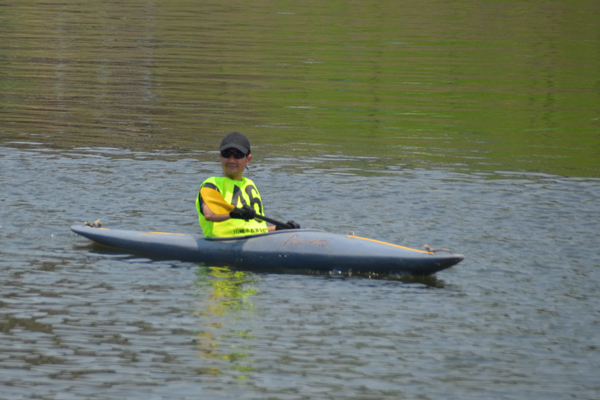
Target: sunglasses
x,y
236,154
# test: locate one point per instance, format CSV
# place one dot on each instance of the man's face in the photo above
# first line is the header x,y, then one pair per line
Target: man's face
x,y
233,162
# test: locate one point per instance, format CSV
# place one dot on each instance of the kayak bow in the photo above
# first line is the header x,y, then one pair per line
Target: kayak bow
x,y
285,250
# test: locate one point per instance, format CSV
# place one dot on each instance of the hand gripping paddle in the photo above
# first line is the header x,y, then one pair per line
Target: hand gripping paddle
x,y
217,204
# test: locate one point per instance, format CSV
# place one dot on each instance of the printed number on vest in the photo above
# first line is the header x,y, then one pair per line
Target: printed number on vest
x,y
254,200
237,196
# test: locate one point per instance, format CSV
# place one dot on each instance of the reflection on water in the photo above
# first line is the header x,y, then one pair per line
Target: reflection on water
x,y
488,85
229,289
228,292
394,114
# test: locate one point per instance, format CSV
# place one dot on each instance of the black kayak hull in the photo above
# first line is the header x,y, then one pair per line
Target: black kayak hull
x,y
289,250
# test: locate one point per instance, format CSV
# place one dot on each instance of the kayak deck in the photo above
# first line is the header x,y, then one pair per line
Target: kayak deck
x,y
287,250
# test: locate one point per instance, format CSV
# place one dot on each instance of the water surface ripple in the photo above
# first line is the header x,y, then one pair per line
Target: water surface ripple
x,y
484,85
517,319
463,125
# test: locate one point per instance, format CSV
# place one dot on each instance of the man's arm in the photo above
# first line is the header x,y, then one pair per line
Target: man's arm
x,y
211,216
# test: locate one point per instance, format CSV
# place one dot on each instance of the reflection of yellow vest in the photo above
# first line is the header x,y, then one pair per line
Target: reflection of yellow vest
x,y
238,193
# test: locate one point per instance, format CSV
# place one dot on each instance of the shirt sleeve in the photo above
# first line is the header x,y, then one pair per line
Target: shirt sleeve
x,y
201,202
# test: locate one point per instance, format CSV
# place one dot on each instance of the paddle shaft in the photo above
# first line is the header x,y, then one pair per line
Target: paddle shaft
x,y
273,221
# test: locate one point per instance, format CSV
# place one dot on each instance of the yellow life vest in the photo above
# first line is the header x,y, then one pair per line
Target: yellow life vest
x,y
239,194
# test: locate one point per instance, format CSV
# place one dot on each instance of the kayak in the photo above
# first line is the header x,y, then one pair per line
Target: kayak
x,y
298,250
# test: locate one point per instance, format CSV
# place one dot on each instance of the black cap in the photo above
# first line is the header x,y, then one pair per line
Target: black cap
x,y
236,140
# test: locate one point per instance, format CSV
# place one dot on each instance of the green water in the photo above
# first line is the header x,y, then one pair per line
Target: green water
x,y
113,110
487,85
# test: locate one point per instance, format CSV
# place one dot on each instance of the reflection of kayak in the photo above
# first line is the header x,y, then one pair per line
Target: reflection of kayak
x,y
286,250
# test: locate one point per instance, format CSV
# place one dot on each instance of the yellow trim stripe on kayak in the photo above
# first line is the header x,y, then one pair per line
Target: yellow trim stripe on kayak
x,y
389,244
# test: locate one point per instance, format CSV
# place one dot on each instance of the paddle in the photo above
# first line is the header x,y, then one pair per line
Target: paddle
x,y
217,204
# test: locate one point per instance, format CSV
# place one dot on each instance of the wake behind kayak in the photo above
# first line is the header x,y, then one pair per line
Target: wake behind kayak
x,y
287,250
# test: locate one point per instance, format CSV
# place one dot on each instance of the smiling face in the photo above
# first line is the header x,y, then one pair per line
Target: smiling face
x,y
234,167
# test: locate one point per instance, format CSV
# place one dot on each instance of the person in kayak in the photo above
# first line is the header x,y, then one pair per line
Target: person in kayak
x,y
238,191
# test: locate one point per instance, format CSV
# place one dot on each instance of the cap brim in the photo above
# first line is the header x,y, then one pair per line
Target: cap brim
x,y
234,146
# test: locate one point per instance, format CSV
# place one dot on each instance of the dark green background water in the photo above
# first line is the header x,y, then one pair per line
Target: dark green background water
x,y
469,125
493,85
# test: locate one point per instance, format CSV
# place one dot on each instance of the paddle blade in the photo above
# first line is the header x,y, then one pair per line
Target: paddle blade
x,y
215,201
